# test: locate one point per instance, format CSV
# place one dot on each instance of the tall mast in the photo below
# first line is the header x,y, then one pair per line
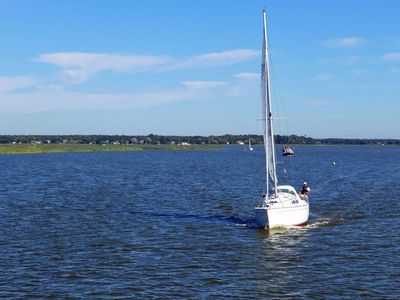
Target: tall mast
x,y
269,142
264,100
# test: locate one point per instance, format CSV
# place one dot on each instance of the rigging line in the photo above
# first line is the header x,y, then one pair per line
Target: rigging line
x,y
276,108
281,107
258,124
283,175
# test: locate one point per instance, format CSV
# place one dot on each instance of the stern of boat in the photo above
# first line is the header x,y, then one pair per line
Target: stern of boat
x,y
262,217
286,210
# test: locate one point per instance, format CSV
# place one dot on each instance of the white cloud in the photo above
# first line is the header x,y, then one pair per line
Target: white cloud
x,y
343,42
202,85
57,100
323,77
392,56
79,66
216,59
247,76
9,84
227,57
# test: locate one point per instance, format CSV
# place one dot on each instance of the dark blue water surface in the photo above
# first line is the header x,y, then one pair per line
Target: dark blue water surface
x,y
179,225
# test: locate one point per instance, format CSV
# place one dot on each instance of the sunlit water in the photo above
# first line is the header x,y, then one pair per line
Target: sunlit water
x,y
180,224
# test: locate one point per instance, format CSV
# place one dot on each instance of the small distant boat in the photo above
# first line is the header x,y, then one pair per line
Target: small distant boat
x,y
279,205
287,151
250,148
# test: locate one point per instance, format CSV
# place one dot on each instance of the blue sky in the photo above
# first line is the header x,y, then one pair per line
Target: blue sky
x,y
192,67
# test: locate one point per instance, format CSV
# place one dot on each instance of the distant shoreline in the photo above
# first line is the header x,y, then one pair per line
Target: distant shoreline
x,y
175,140
61,148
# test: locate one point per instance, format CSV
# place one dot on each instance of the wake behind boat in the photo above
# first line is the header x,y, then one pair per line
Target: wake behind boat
x,y
279,205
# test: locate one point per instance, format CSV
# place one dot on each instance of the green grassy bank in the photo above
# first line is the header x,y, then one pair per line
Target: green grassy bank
x,y
20,149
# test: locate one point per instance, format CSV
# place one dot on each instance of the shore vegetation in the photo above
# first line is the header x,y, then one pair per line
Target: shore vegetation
x,y
27,148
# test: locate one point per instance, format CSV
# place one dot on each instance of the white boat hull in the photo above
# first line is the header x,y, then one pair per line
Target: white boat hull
x,y
282,217
285,210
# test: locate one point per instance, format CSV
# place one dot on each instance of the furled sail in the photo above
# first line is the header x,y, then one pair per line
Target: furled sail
x,y
267,114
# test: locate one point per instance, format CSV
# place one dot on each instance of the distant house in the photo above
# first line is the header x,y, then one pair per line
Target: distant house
x,y
185,144
239,142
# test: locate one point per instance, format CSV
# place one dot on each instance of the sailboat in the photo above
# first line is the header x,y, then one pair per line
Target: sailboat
x,y
279,205
250,148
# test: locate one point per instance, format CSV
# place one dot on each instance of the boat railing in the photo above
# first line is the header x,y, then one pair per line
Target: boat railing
x,y
264,201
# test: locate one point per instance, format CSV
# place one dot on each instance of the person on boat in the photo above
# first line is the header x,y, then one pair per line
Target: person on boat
x,y
305,190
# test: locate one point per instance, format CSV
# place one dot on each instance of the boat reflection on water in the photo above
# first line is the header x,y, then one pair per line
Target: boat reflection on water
x,y
280,251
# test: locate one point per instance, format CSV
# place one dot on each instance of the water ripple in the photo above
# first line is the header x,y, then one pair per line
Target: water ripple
x,y
180,225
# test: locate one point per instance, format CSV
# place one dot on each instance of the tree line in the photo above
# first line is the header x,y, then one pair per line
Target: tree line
x,y
154,139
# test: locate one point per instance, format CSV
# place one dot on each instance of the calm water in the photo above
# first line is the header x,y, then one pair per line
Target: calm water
x,y
170,224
